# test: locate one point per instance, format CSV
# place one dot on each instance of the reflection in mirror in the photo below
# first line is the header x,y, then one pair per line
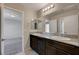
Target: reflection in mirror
x,y
53,26
47,28
69,26
35,24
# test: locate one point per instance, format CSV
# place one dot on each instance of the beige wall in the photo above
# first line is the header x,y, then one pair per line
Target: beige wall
x,y
28,15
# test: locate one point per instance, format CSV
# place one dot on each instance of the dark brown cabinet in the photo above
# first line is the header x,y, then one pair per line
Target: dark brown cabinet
x,y
61,52
37,44
50,50
54,51
34,43
41,46
44,46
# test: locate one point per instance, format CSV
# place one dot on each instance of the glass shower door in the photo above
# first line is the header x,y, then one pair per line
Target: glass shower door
x,y
12,32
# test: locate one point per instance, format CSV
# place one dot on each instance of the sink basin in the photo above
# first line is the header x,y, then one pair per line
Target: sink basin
x,y
60,38
46,35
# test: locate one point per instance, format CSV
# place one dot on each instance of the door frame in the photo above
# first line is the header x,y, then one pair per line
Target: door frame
x,y
2,20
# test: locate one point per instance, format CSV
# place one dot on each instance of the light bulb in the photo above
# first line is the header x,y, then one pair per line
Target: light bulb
x,y
48,7
45,9
51,5
32,19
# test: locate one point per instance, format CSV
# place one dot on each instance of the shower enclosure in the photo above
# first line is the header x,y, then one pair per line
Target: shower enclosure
x,y
11,31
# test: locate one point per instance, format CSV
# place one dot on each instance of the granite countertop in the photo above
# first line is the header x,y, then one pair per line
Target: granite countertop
x,y
72,41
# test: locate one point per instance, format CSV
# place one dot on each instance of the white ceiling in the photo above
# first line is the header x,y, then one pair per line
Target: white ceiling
x,y
35,6
38,6
10,14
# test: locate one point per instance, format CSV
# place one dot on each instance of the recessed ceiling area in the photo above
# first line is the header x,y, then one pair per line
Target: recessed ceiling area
x,y
35,6
15,15
38,6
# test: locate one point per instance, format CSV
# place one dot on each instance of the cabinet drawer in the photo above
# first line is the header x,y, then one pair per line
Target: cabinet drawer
x,y
50,42
71,49
61,52
67,47
51,50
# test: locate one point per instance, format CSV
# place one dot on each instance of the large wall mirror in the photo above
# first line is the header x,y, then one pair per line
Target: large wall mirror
x,y
65,26
69,26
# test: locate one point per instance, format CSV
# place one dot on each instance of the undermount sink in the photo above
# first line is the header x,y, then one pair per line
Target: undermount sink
x,y
52,36
60,38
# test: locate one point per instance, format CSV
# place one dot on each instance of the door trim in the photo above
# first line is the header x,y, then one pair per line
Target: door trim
x,y
2,19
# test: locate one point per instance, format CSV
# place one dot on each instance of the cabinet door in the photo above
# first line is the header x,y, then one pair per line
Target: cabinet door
x,y
33,43
50,50
41,46
37,44
61,52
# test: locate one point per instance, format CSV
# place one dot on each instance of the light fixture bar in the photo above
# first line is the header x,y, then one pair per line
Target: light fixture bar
x,y
48,7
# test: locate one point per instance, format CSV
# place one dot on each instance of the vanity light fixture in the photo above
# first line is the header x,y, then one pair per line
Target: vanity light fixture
x,y
47,8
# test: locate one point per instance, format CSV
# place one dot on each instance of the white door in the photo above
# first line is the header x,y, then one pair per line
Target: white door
x,y
11,32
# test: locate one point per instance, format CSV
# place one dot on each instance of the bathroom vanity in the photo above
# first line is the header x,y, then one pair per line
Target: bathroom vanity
x,y
53,45
64,24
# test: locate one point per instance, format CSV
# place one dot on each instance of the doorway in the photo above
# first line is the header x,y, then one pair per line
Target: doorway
x,y
11,37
